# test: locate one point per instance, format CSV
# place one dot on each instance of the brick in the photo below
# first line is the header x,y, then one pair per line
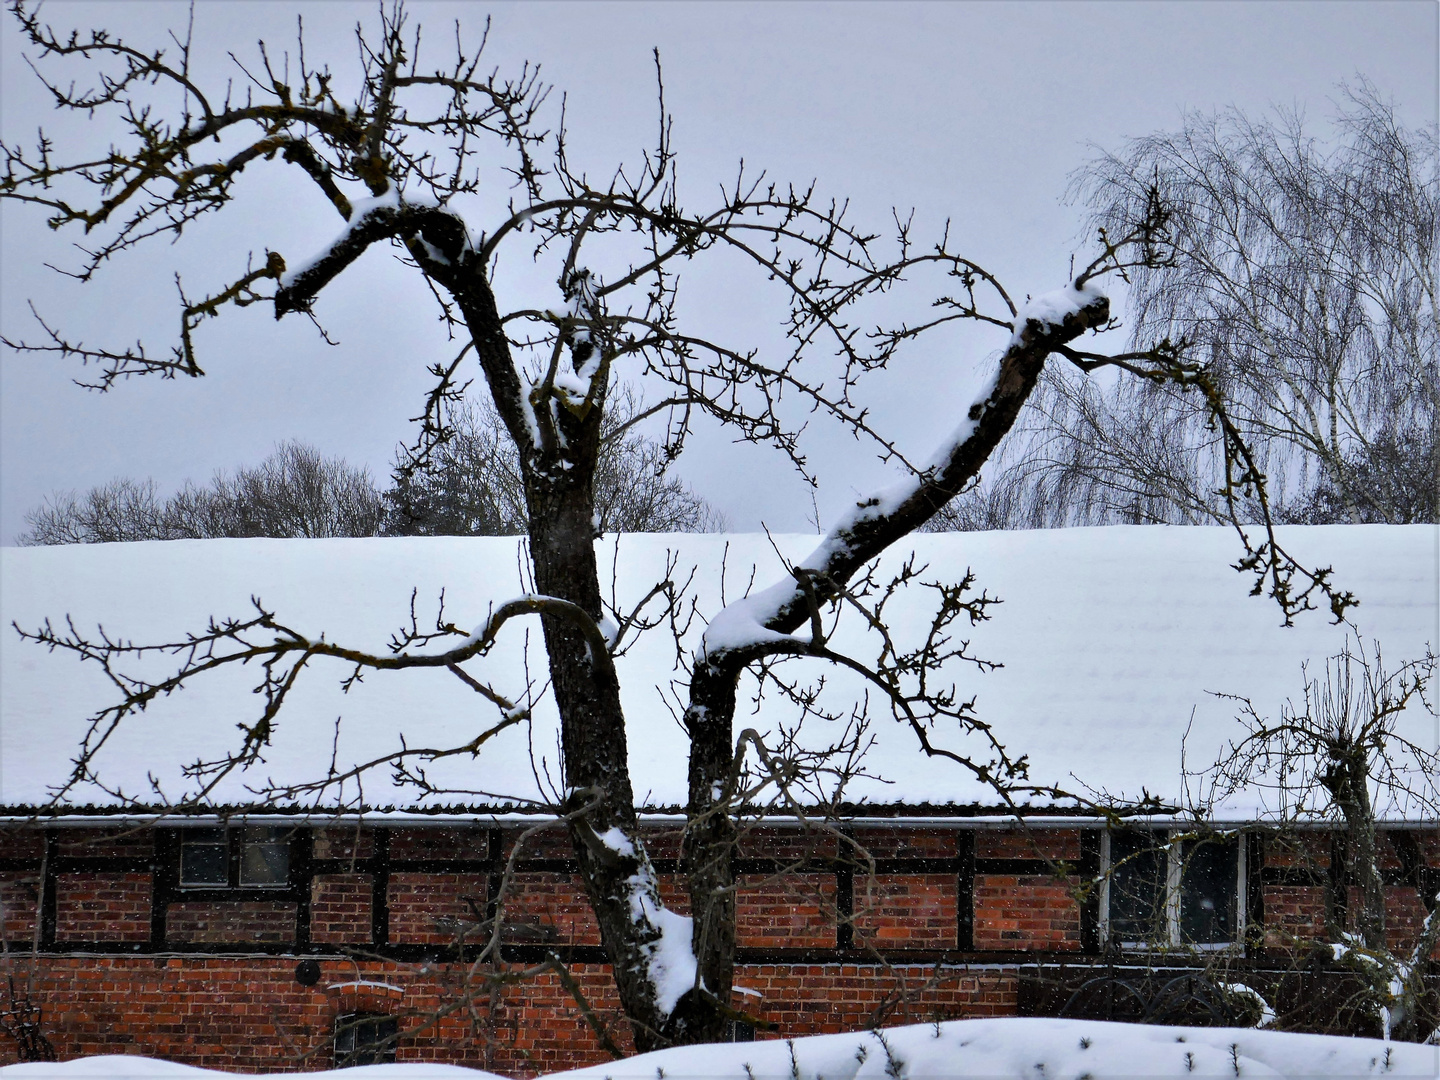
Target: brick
x,y
431,909
340,842
788,911
1306,851
1025,913
1034,843
102,907
440,842
775,842
889,842
132,842
238,922
20,898
555,904
914,911
1294,914
341,909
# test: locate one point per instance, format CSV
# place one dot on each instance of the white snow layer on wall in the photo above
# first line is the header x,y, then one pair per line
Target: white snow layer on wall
x,y
999,1049
1110,640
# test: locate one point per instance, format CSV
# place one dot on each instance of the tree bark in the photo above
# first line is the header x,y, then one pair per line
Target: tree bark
x,y
1348,782
560,501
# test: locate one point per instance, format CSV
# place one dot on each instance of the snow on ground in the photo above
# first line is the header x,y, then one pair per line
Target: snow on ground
x,y
995,1049
134,1067
1111,640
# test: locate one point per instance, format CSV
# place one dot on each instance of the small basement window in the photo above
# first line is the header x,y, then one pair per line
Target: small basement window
x,y
739,1031
365,1039
249,857
1163,890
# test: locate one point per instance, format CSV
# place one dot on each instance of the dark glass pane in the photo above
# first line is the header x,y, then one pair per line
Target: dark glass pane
x,y
264,857
739,1031
1137,886
364,1039
203,858
1208,887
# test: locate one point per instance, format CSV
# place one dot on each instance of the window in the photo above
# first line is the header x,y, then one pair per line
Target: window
x,y
204,858
250,857
739,1031
1170,890
264,856
365,1039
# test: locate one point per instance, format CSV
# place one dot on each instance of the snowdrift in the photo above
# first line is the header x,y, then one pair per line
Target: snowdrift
x,y
999,1049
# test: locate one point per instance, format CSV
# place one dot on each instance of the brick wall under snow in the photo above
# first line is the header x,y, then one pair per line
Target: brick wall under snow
x,y
250,1015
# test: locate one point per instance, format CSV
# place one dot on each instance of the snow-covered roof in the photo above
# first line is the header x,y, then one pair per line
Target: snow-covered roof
x,y
1112,641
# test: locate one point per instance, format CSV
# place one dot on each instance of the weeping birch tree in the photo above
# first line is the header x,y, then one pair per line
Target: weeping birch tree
x,y
1302,274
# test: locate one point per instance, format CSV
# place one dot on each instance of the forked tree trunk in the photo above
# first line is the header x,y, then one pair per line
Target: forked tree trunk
x,y
560,503
709,843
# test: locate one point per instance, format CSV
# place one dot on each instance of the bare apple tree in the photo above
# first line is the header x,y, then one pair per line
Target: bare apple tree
x,y
396,163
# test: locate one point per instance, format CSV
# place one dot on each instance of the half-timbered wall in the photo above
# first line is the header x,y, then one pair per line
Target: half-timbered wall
x,y
910,921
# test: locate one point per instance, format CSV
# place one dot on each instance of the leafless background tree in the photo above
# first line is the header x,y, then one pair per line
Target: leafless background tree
x,y
1340,758
1303,277
471,485
295,492
408,157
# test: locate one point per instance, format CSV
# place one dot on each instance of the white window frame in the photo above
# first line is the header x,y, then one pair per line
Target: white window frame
x,y
1174,869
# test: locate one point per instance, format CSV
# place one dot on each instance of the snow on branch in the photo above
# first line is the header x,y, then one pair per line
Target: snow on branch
x,y
873,524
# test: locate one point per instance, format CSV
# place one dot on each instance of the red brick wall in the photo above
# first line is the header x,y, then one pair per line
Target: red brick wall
x,y
21,842
1430,846
773,842
339,842
906,911
536,1027
233,922
136,842
1309,851
892,843
552,842
430,909
341,909
818,999
1028,913
1037,843
102,907
207,1009
1404,917
250,1015
443,842
232,1013
796,911
19,895
1293,914
556,901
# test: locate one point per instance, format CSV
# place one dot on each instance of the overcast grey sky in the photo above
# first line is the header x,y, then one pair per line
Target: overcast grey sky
x,y
973,112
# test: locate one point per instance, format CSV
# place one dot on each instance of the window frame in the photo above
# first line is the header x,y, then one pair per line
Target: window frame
x,y
234,846
1174,840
